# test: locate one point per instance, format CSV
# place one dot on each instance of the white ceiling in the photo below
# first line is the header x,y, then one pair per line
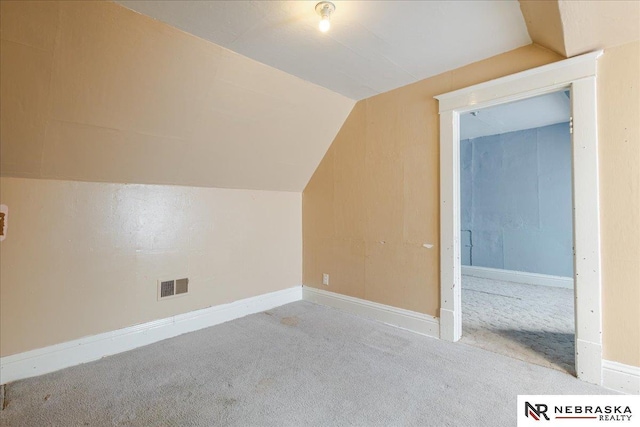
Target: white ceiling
x,y
371,48
530,113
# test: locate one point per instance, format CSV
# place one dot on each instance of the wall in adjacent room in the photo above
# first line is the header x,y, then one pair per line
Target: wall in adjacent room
x,y
516,201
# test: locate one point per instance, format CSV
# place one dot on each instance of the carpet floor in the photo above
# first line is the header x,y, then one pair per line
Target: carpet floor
x,y
297,365
527,322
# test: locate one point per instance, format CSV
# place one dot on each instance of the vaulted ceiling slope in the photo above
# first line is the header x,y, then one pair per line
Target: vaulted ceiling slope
x,y
573,27
372,47
93,91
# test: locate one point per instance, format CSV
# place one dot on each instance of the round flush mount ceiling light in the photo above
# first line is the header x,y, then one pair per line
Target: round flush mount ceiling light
x,y
325,9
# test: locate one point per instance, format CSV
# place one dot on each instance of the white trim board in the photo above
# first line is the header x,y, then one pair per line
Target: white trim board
x,y
620,377
405,319
525,84
518,276
577,74
83,350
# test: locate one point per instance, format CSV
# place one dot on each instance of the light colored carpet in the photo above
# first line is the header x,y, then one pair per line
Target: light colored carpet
x,y
298,365
528,322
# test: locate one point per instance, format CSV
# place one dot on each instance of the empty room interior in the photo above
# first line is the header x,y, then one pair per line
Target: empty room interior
x,y
303,213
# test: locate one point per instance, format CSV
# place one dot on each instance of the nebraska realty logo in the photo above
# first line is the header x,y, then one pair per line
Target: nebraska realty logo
x,y
573,410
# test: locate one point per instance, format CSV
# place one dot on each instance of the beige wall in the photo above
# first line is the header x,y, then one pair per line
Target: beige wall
x,y
544,23
373,201
591,25
574,27
619,133
93,91
83,258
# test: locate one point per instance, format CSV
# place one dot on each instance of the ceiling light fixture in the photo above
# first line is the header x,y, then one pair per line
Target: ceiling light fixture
x,y
325,9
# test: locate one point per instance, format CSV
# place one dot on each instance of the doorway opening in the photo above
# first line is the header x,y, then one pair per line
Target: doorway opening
x,y
578,76
516,230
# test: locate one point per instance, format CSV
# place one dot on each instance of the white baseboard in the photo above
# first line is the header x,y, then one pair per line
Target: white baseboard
x,y
588,361
518,276
450,326
620,377
87,349
615,376
410,320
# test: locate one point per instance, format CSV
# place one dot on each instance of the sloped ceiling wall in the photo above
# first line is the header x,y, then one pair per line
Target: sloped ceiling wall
x,y
591,25
574,27
544,24
93,91
373,46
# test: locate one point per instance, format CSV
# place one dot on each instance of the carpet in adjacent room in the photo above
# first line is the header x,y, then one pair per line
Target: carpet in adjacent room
x,y
528,322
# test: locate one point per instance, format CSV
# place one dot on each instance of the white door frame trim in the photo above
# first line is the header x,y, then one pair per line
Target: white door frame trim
x,y
577,74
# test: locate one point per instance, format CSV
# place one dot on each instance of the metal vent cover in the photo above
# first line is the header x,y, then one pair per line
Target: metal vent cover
x,y
182,286
167,288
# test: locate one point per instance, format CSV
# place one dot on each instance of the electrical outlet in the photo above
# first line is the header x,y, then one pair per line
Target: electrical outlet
x,y
325,279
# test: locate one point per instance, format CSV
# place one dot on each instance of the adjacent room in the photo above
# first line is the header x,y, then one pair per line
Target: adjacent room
x,y
517,230
315,213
